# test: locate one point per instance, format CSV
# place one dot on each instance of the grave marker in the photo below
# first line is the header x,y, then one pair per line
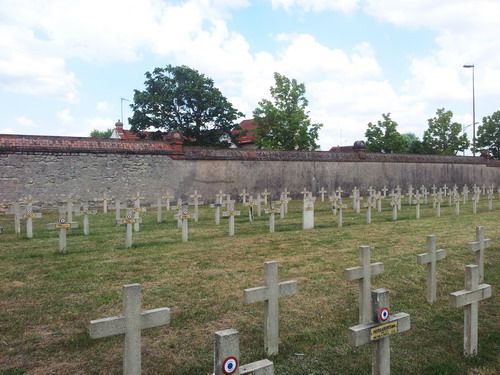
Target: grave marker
x,y
269,294
418,202
384,191
29,216
62,225
369,205
104,201
196,202
430,258
394,205
272,211
137,210
478,248
378,331
17,217
265,194
340,208
469,299
250,204
364,273
131,323
217,205
244,196
227,357
308,213
231,213
167,197
85,212
128,221
322,192
185,216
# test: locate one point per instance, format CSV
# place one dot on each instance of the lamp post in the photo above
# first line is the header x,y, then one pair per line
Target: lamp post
x,y
121,105
464,128
473,111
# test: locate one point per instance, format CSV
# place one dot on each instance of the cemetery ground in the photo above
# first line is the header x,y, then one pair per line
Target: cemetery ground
x,y
47,299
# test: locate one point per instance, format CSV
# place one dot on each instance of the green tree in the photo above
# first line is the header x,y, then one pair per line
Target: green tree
x,y
384,137
284,123
412,144
101,133
180,98
444,137
488,134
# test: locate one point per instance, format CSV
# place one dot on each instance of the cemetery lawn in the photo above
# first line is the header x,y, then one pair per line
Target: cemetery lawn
x,y
47,299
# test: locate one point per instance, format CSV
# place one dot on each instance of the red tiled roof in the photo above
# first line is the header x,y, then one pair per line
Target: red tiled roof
x,y
248,126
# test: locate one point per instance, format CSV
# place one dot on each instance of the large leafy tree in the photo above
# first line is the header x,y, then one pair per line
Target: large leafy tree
x,y
101,133
284,122
488,134
412,143
180,98
384,136
443,136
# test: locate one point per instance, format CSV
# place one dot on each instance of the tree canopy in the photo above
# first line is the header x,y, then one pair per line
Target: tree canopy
x,y
444,137
181,98
488,134
284,123
101,133
384,136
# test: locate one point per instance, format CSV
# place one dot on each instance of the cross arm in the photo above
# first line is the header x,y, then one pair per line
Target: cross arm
x,y
155,317
262,367
257,294
475,246
107,327
360,334
355,273
425,258
287,288
466,297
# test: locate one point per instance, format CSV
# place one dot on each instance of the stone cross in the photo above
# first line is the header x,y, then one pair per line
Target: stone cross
x,y
69,210
250,204
339,192
62,225
178,208
244,196
282,202
258,202
430,258
483,188
469,299
130,323
286,199
159,206
227,357
272,211
353,196
217,205
219,197
490,200
334,200
29,216
85,212
340,208
196,202
445,190
270,294
136,210
105,200
475,201
465,194
118,206
478,248
128,221
439,200
394,205
378,198
384,191
231,213
265,194
322,192
369,206
185,216
308,213
418,202
364,273
16,210
379,330
305,193
457,200
167,197
410,195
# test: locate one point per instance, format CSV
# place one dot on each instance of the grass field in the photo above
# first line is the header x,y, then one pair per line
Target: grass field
x,y
47,299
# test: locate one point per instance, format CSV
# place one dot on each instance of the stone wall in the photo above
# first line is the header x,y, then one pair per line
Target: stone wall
x,y
54,168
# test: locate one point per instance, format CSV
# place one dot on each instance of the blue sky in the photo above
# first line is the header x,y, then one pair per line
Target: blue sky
x,y
65,64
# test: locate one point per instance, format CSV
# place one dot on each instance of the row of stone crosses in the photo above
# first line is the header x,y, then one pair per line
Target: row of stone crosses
x,y
376,322
223,201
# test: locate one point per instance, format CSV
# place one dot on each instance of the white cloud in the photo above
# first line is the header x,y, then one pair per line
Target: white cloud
x,y
64,116
7,131
103,107
316,5
24,121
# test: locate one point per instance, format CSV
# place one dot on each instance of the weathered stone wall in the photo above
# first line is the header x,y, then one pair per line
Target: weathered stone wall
x,y
57,169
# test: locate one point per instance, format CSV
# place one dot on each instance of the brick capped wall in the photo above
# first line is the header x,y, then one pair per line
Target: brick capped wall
x,y
54,168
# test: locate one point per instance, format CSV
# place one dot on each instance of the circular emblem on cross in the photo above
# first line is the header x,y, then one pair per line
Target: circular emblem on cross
x,y
30,211
184,212
62,220
129,216
230,365
384,314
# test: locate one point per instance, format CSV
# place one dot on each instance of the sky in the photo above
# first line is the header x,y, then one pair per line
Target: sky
x,y
65,65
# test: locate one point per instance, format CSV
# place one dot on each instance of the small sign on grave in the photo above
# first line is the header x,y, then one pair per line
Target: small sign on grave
x,y
384,330
62,224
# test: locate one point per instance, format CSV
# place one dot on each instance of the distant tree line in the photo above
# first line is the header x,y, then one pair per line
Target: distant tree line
x,y
442,137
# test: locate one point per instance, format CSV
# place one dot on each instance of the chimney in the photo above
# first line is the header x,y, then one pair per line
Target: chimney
x,y
119,128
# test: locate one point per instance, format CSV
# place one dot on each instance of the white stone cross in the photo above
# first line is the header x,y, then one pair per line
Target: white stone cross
x,y
217,205
265,194
270,294
369,205
250,204
167,198
430,258
159,206
340,208
364,273
304,193
244,196
136,210
384,191
439,200
219,197
85,212
62,225
308,213
227,357
478,248
418,202
378,331
131,323
128,221
394,205
196,202
185,216
272,211
231,213
456,198
16,211
469,298
410,195
322,192
178,208
29,216
105,200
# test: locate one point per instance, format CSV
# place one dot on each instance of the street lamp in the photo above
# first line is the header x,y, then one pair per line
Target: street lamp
x,y
464,128
473,111
121,105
